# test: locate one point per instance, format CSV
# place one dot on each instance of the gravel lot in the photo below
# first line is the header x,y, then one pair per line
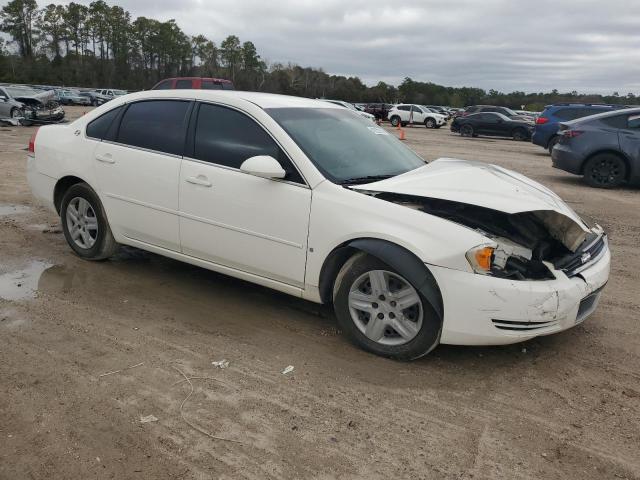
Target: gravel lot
x,y
559,407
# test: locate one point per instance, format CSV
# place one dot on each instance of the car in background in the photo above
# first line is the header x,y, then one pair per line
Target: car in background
x,y
95,99
545,133
507,112
603,148
439,109
265,188
110,92
194,83
71,97
351,107
29,105
492,124
378,110
404,114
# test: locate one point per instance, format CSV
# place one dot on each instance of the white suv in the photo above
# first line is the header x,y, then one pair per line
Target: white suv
x,y
406,113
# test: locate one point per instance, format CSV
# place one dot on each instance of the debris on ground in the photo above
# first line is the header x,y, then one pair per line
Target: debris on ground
x,y
224,363
148,419
288,369
121,370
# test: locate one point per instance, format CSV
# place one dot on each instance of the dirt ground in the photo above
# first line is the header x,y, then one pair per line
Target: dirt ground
x,y
560,407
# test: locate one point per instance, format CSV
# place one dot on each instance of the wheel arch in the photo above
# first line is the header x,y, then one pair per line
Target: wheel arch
x,y
609,151
401,259
62,185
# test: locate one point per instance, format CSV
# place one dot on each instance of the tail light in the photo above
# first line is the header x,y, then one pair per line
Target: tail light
x,y
32,142
572,133
541,120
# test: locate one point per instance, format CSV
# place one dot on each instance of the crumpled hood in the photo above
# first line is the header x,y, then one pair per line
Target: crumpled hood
x,y
488,186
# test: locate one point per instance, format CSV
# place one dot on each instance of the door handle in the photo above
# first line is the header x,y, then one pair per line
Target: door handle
x,y
106,158
199,180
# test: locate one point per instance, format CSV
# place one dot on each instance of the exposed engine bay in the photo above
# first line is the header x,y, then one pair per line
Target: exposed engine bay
x,y
526,242
40,111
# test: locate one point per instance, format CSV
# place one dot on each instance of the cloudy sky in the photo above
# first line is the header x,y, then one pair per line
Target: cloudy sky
x,y
528,45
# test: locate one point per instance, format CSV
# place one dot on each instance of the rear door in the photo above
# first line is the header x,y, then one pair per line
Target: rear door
x,y
138,168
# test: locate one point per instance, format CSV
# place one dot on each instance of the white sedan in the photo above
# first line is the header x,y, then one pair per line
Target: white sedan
x,y
306,198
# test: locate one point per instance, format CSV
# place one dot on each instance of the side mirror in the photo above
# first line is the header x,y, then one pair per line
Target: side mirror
x,y
263,166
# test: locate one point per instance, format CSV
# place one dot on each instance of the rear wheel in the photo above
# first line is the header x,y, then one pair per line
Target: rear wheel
x,y
519,134
382,312
605,170
85,225
467,130
395,121
430,123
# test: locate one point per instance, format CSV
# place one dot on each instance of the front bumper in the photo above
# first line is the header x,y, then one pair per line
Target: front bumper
x,y
485,310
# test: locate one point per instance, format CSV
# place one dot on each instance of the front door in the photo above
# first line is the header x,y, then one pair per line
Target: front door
x,y
252,224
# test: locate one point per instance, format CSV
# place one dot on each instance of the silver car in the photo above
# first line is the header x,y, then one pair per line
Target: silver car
x,y
9,107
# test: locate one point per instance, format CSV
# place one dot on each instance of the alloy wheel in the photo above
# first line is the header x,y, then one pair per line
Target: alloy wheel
x,y
82,222
385,307
606,171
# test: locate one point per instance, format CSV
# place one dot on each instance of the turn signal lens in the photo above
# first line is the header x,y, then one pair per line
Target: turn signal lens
x,y
480,258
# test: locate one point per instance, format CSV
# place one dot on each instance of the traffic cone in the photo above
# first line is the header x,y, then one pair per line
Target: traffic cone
x,y
399,126
402,135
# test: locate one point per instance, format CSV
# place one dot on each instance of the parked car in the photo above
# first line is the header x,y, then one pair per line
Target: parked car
x,y
29,105
392,242
439,109
603,148
492,124
71,97
95,98
352,107
110,92
507,112
404,114
545,133
378,110
198,83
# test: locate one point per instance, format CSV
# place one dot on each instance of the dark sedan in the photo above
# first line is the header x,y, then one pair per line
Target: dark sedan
x,y
604,148
492,124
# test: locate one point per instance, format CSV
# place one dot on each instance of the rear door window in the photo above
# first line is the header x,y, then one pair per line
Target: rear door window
x,y
158,125
404,108
227,137
633,122
211,85
99,127
186,84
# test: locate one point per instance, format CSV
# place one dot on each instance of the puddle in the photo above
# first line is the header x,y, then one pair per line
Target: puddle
x,y
9,209
22,284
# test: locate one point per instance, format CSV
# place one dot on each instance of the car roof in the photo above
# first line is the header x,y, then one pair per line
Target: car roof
x,y
608,113
263,100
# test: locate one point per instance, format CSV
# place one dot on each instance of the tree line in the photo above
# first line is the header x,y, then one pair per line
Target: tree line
x,y
104,46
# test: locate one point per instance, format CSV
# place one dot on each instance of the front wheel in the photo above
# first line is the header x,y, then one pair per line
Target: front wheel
x,y
16,113
382,312
605,170
430,123
395,121
519,135
85,225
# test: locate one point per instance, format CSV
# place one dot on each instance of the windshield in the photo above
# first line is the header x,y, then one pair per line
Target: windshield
x,y
345,147
510,112
119,92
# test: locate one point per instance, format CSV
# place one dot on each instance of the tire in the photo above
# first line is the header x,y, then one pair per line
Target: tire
x,y
552,143
88,245
519,134
418,326
466,130
430,123
605,170
15,113
395,121
94,103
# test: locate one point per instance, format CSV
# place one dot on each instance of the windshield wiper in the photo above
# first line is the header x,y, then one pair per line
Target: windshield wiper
x,y
367,179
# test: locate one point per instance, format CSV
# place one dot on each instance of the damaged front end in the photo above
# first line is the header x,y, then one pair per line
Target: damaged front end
x,y
524,246
40,111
